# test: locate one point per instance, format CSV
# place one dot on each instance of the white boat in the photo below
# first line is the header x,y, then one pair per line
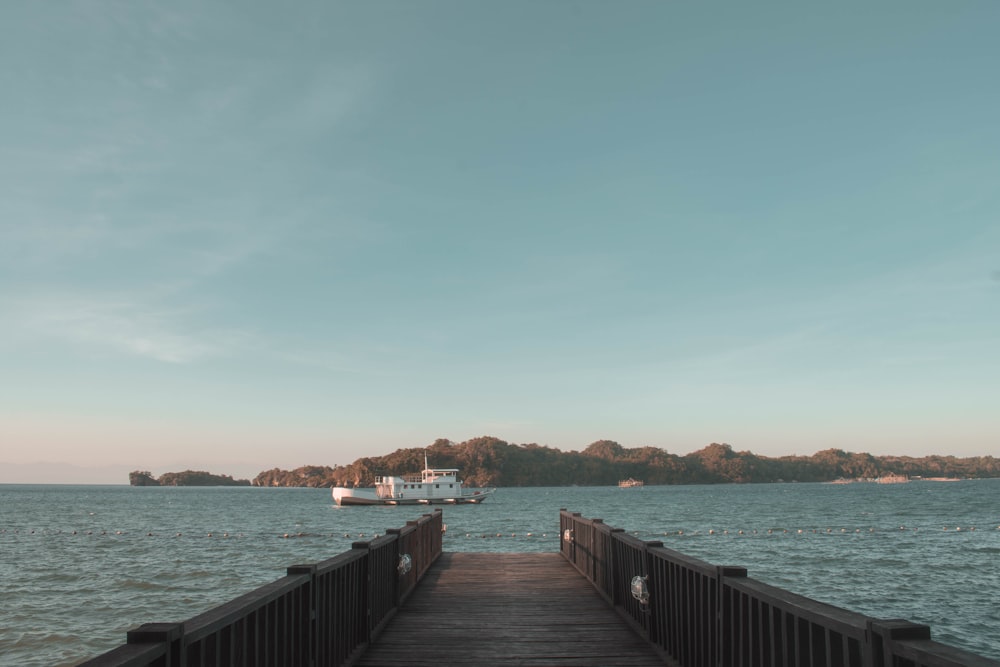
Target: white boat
x,y
433,486
630,483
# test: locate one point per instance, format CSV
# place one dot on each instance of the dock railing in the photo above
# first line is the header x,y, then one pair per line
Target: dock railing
x,y
319,614
702,615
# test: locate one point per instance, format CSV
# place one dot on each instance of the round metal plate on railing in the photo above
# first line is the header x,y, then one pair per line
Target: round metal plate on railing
x,y
405,563
639,590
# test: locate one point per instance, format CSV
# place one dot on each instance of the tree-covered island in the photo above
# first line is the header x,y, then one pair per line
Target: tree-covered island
x,y
490,461
186,478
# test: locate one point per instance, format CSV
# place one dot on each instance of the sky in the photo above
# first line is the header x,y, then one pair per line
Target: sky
x,y
240,236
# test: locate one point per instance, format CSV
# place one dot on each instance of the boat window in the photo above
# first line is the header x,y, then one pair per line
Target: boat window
x,y
437,486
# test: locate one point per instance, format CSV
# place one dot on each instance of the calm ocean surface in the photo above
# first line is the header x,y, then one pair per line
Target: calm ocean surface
x,y
80,565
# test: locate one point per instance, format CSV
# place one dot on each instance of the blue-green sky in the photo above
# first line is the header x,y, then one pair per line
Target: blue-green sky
x,y
237,236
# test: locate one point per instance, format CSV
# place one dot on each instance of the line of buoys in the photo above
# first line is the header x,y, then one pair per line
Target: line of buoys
x,y
491,535
117,533
798,531
223,535
373,535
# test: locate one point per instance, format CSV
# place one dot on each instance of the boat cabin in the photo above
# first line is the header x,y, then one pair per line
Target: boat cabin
x,y
431,483
439,475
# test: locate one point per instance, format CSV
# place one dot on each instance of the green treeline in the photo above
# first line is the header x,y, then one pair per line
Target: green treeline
x,y
489,461
186,478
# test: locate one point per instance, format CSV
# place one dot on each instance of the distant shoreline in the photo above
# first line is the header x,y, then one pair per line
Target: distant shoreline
x,y
897,479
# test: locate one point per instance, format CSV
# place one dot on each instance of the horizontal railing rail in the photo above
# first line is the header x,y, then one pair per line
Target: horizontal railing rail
x,y
318,614
702,615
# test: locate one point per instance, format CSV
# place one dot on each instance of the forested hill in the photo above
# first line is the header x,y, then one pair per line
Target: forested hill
x,y
489,461
186,478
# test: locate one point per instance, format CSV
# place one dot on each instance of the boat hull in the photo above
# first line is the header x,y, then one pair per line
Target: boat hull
x,y
368,496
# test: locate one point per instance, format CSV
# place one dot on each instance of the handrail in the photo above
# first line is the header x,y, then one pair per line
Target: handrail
x,y
318,614
701,615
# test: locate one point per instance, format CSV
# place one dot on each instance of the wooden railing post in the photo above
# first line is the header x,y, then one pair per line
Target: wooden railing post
x,y
169,634
567,546
366,582
883,633
311,640
595,548
725,640
654,605
398,532
436,531
612,568
588,571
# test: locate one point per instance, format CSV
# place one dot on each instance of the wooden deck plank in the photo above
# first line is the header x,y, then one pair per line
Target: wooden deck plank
x,y
506,609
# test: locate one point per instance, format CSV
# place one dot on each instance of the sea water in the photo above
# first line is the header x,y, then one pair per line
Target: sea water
x,y
80,565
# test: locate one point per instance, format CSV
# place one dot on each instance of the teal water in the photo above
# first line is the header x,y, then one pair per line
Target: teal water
x,y
80,565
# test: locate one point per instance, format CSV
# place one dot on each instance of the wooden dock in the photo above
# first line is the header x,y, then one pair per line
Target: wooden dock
x,y
606,598
506,609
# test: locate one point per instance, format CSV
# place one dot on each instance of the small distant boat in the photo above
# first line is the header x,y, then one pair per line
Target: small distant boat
x,y
630,483
433,486
893,478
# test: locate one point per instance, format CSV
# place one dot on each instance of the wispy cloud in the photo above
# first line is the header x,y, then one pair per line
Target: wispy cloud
x,y
329,96
164,164
924,316
120,324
